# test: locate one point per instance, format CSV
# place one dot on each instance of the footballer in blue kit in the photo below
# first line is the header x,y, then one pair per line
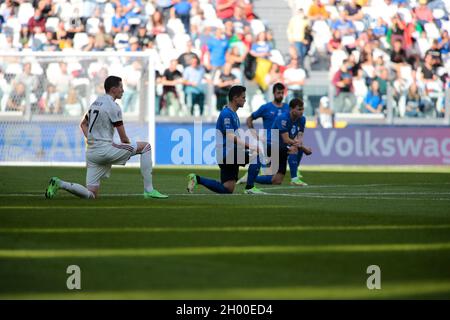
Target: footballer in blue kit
x,y
289,142
268,112
229,149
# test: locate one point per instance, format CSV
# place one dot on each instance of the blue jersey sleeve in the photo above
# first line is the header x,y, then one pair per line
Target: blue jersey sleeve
x,y
260,112
302,124
281,123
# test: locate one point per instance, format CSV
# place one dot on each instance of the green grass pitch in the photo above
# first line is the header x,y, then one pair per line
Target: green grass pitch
x,y
312,242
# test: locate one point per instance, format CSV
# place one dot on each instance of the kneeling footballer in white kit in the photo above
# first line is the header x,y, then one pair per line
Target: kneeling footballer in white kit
x,y
98,124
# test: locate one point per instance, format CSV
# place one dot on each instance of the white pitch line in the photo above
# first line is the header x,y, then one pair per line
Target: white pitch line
x,y
367,196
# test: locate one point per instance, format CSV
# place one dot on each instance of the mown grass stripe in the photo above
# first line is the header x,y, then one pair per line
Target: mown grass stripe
x,y
388,290
223,229
224,250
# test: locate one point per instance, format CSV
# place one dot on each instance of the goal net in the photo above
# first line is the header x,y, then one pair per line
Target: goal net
x,y
43,96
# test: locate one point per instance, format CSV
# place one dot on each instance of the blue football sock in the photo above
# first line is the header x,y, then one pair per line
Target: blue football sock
x,y
264,179
253,171
299,157
212,185
293,165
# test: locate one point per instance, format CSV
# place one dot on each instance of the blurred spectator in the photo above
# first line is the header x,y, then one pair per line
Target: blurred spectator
x,y
318,11
431,84
347,30
74,25
397,30
345,99
170,79
353,11
260,48
373,102
444,42
218,46
50,102
239,19
193,86
183,11
412,101
73,106
133,45
294,80
37,22
17,98
185,59
158,25
119,21
236,56
423,13
359,87
164,6
131,79
296,34
223,81
29,79
225,8
325,114
435,53
335,42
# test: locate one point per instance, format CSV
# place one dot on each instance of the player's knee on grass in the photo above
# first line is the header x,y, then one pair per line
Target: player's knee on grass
x,y
143,146
94,190
278,179
229,186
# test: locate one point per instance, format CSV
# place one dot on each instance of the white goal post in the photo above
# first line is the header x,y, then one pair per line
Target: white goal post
x,y
43,96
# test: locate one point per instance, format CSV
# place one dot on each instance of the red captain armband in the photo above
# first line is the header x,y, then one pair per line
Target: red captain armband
x,y
118,124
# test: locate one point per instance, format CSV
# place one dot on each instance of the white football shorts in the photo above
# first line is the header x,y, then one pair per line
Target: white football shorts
x,y
99,160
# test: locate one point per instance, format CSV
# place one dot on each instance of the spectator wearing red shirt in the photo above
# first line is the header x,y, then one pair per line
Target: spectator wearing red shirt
x,y
225,8
37,21
423,13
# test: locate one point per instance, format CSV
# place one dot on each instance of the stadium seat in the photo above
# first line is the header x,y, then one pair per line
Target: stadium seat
x,y
121,40
163,42
79,40
92,25
179,42
432,31
52,24
3,42
208,10
257,26
26,11
175,26
14,24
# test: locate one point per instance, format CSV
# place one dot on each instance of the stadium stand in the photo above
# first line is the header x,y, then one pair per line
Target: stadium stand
x,y
402,45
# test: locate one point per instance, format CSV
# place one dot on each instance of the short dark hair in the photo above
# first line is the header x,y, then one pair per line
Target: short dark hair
x,y
112,82
235,91
296,102
278,86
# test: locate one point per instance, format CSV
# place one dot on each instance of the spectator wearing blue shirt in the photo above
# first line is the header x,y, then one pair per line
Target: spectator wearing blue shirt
x,y
218,47
261,48
444,42
373,103
183,12
193,87
228,144
119,21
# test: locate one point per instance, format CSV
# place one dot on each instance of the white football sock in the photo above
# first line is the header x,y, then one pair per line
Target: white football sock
x,y
76,189
146,168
